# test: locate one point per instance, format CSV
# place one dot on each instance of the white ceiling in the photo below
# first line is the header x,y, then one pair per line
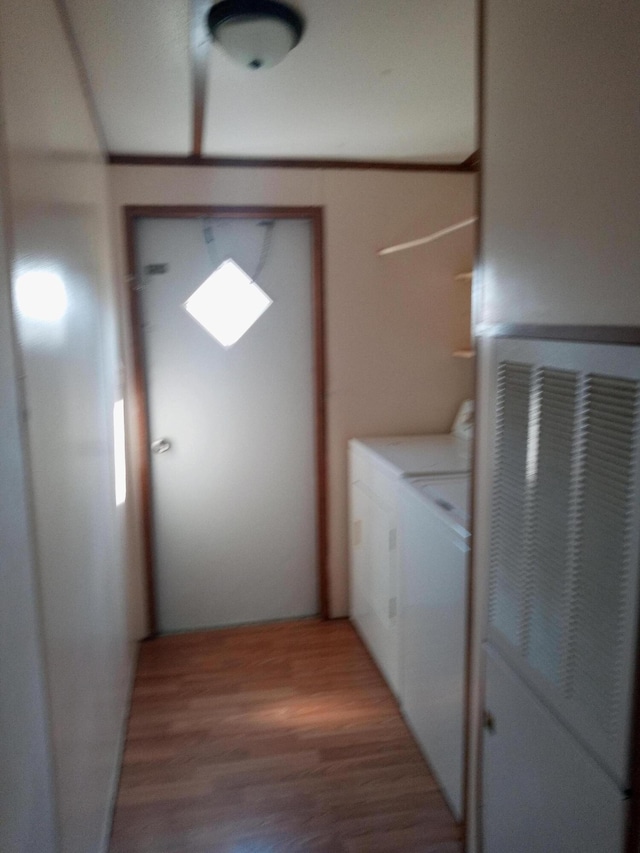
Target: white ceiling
x,y
370,80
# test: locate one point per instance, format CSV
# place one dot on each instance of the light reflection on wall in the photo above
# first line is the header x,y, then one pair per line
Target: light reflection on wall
x,y
119,455
41,296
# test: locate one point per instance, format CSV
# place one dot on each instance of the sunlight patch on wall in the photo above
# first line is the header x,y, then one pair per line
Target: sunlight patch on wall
x,y
41,296
228,303
119,453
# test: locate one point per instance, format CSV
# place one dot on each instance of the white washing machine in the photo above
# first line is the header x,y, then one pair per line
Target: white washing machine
x,y
377,466
434,528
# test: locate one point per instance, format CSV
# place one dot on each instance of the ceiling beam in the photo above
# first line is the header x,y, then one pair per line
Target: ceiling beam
x,y
285,163
472,162
199,46
81,70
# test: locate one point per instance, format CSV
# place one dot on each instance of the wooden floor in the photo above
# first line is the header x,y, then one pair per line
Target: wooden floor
x,y
269,739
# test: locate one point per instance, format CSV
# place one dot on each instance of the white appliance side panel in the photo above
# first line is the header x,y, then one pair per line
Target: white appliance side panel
x,y
542,791
373,579
432,627
359,557
383,566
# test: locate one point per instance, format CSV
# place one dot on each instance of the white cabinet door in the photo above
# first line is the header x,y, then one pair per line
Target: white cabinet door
x,y
542,793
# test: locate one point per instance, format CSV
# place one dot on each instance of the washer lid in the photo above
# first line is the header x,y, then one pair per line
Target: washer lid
x,y
410,455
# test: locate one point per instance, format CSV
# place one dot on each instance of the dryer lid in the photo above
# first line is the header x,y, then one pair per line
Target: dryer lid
x,y
450,494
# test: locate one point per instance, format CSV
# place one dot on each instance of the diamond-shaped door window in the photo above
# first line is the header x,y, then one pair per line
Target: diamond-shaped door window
x,y
228,303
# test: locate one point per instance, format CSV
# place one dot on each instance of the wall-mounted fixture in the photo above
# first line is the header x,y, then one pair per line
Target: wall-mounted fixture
x,y
255,33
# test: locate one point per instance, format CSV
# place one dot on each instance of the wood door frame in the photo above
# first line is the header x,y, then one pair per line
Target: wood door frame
x,y
315,215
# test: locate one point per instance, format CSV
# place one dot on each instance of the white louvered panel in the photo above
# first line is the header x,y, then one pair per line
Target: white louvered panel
x,y
507,558
549,560
600,607
574,534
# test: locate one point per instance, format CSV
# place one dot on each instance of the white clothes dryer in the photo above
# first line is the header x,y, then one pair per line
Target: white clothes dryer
x,y
434,528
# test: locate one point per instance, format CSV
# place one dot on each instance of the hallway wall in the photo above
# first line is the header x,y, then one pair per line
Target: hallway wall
x,y
391,323
27,821
561,200
561,186
57,216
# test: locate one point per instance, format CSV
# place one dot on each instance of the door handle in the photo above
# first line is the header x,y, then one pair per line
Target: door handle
x,y
160,445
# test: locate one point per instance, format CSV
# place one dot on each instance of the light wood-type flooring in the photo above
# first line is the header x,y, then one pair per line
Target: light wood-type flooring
x,y
268,739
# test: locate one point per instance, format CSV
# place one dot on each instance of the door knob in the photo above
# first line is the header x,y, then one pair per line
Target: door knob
x,y
161,445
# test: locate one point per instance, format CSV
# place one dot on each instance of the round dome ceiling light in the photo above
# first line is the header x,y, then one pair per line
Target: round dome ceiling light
x,y
255,33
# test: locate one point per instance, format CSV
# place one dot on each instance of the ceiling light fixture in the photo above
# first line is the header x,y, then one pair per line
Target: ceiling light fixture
x,y
255,33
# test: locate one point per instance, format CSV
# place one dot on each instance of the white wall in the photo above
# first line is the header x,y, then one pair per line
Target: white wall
x,y
27,820
561,188
561,206
391,323
58,216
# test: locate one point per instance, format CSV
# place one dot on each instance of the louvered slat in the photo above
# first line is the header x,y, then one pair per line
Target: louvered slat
x,y
604,516
506,581
551,510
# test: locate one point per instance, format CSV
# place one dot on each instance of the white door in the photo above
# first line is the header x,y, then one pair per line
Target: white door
x,y
232,427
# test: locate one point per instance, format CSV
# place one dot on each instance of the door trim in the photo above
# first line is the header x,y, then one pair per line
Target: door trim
x,y
315,215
